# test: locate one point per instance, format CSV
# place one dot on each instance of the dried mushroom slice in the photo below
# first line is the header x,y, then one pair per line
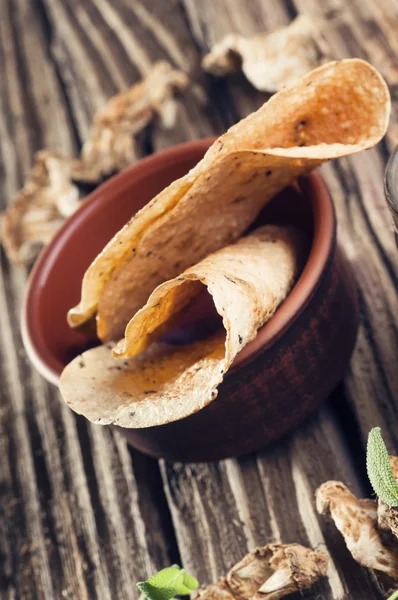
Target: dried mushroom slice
x,y
295,131
357,522
46,200
110,146
270,61
387,516
269,573
152,384
214,591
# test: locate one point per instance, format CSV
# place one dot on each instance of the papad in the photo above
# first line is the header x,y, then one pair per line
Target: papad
x,y
247,281
337,109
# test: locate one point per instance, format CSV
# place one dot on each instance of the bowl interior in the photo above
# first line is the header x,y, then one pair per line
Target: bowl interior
x,y
55,282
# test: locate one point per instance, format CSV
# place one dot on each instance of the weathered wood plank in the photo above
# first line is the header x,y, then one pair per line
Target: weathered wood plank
x,y
30,93
116,44
81,517
365,232
23,132
222,510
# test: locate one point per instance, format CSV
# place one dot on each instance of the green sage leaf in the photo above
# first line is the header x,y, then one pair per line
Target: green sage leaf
x,y
379,469
153,593
167,583
190,582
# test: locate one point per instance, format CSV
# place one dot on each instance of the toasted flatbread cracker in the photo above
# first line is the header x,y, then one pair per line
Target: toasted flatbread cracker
x,y
337,109
247,281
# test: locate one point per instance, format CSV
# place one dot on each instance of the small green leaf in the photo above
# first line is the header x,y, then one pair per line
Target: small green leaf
x,y
153,593
394,596
167,583
190,582
379,469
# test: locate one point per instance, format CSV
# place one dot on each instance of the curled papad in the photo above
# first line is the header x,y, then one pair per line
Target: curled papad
x,y
159,382
337,109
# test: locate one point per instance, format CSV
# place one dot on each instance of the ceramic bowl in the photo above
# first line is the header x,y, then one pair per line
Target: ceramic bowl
x,y
295,361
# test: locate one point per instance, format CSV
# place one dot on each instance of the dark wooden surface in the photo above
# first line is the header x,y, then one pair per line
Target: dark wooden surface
x,y
81,515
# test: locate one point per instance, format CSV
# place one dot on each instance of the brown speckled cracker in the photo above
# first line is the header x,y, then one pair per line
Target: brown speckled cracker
x,y
337,109
152,384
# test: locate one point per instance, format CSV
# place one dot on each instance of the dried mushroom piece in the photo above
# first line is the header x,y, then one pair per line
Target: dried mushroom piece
x,y
214,591
110,146
269,573
270,61
387,516
46,200
357,522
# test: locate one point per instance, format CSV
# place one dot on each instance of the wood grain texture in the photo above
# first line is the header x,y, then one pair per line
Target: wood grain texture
x,y
266,497
74,522
81,515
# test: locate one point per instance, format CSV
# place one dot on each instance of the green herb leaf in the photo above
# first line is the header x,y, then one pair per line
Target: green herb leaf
x,y
167,583
394,596
379,469
190,582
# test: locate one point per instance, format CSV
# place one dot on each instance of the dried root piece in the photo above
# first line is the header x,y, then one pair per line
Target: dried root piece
x,y
110,146
270,61
357,522
269,573
387,516
46,200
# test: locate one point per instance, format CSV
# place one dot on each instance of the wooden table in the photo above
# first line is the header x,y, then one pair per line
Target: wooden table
x,y
81,514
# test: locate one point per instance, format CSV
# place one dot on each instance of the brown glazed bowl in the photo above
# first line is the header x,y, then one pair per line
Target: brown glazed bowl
x,y
281,377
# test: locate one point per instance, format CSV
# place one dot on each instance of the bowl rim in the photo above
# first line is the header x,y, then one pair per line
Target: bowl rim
x,y
312,185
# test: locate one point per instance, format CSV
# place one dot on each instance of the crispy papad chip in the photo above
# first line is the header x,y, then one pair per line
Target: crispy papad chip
x,y
269,573
337,109
247,281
